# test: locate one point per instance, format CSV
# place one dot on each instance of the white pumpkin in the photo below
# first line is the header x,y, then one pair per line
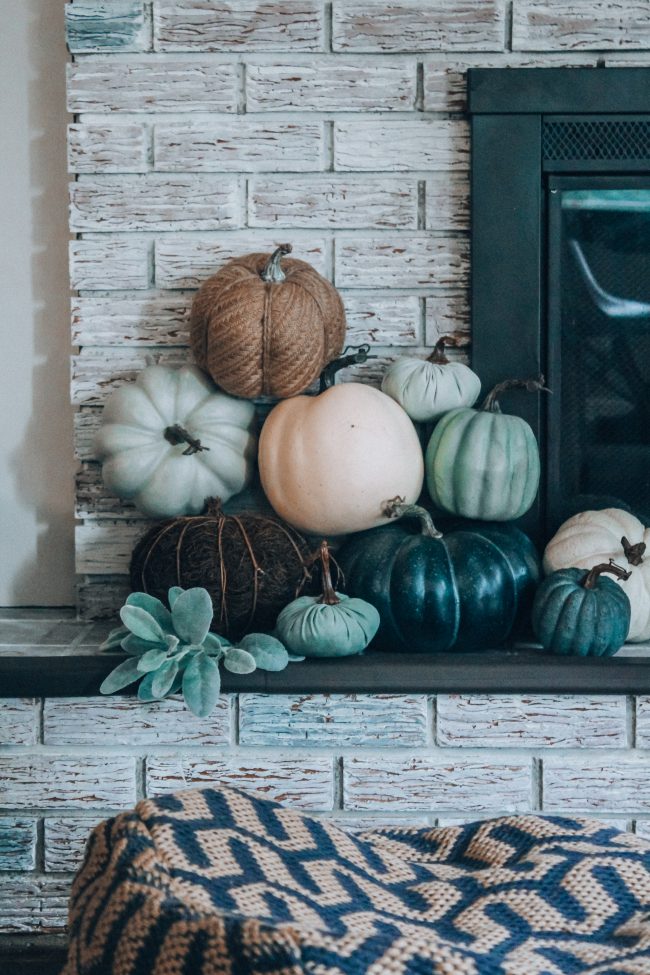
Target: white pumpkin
x,y
329,463
171,439
428,388
592,537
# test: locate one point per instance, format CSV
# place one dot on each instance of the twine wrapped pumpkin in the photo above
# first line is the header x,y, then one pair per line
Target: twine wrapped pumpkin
x,y
266,325
251,564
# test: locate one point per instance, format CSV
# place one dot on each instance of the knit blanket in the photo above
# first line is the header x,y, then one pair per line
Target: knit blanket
x,y
218,882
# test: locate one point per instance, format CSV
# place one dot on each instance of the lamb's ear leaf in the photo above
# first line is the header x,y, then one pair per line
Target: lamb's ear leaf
x,y
152,660
135,647
214,643
295,659
201,685
152,606
268,652
239,661
173,594
163,678
114,638
141,623
124,674
144,690
192,615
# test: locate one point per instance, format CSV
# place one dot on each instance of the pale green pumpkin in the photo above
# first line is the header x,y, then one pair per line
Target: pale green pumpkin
x,y
428,388
329,625
483,463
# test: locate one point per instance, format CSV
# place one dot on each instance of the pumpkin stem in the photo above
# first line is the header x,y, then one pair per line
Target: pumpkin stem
x,y
491,402
445,341
272,271
633,553
590,580
328,375
213,508
177,434
397,508
329,596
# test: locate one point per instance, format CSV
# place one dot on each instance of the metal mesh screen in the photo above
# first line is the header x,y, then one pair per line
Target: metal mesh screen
x,y
596,139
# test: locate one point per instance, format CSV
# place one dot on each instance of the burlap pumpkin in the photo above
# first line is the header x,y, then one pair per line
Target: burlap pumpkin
x,y
264,326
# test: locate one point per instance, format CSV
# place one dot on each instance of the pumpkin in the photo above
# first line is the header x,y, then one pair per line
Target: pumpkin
x,y
264,326
583,613
597,536
171,439
484,463
464,590
428,388
328,462
329,625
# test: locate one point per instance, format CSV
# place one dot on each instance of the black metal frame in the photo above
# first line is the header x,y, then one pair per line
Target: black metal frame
x,y
509,186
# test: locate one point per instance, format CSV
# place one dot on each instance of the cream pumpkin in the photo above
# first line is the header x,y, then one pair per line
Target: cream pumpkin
x,y
592,537
329,463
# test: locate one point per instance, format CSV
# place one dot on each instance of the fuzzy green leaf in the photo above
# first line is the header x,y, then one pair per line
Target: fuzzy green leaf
x,y
201,685
114,638
163,678
152,606
124,674
152,660
173,594
239,661
214,644
134,646
192,615
141,623
144,690
268,652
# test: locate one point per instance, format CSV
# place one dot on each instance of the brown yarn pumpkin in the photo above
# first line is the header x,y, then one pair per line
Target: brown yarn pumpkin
x,y
251,564
264,326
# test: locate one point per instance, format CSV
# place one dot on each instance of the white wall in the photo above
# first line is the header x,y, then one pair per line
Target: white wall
x,y
36,462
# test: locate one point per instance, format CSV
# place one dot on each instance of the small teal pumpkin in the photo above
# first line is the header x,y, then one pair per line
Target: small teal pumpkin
x,y
483,463
582,613
330,625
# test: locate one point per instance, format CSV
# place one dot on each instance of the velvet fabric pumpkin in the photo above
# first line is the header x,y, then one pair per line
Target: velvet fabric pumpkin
x,y
171,439
596,536
484,463
428,388
266,325
463,590
582,613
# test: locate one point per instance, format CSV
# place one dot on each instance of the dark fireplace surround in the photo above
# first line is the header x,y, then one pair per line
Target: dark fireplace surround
x,y
535,132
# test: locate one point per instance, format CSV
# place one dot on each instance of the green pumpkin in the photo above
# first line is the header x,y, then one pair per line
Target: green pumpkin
x,y
464,590
329,625
582,613
483,463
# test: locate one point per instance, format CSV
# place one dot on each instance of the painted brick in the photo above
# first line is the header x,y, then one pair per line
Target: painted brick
x,y
326,201
40,631
65,839
154,202
17,844
147,320
616,786
493,721
32,904
447,313
418,25
108,147
643,721
95,374
413,260
447,203
239,145
51,781
596,25
642,829
92,500
239,25
435,786
125,721
110,262
105,547
327,84
332,719
100,597
304,783
382,319
401,144
86,425
184,262
352,823
107,25
153,83
19,721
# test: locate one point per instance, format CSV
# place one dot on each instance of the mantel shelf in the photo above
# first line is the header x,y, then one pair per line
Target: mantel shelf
x,y
53,656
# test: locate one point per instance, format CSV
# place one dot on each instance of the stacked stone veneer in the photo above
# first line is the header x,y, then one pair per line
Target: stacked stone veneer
x,y
365,760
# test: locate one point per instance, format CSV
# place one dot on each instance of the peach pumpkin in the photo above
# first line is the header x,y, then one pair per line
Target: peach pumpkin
x,y
329,463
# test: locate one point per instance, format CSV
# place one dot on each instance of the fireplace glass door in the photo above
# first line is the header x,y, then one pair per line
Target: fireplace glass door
x,y
598,345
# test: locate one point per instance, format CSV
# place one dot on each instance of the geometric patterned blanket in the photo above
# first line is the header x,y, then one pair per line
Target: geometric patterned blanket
x,y
217,882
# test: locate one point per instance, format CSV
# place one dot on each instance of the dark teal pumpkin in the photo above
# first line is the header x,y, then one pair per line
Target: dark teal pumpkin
x,y
582,613
464,590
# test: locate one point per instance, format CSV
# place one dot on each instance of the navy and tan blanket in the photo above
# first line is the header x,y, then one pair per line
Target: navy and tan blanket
x,y
217,882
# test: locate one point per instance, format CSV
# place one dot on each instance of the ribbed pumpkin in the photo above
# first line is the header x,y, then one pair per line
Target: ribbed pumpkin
x,y
484,463
596,536
464,590
264,326
428,388
582,613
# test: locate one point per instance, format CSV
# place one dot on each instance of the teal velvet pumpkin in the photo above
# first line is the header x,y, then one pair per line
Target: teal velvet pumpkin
x,y
329,625
464,590
484,463
582,613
